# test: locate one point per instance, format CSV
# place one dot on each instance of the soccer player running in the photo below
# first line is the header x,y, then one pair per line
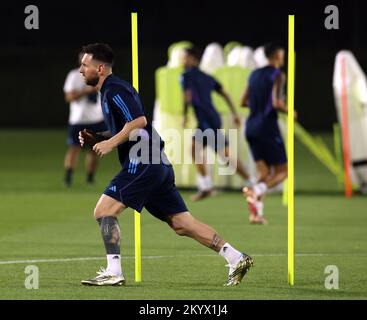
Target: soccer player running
x,y
198,87
264,97
141,183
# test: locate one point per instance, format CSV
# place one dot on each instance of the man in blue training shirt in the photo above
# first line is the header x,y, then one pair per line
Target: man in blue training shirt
x,y
198,87
142,182
264,98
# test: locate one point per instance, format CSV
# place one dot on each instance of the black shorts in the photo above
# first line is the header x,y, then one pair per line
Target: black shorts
x,y
147,185
73,131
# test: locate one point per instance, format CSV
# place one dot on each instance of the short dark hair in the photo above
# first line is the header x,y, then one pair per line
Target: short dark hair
x,y
100,51
271,48
194,52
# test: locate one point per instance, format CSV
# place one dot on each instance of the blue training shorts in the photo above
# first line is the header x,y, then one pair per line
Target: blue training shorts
x,y
217,140
147,185
271,150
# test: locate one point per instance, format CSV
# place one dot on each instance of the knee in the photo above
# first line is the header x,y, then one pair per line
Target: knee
x,y
181,231
262,176
281,175
263,173
283,172
107,206
284,175
180,227
98,212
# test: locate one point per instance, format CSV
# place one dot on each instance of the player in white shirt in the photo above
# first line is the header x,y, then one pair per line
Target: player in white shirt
x,y
85,113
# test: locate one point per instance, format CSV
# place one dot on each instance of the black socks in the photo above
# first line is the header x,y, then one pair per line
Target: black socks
x,y
68,177
90,177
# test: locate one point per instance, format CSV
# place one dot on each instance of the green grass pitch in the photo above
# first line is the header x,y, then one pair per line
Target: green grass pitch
x,y
41,219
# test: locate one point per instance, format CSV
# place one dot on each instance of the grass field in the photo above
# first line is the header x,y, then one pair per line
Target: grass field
x,y
40,219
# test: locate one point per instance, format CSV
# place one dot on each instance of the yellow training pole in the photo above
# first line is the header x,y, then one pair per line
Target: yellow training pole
x,y
137,224
285,183
290,136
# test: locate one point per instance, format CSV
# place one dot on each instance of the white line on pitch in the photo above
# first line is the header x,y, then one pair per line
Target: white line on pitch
x,y
180,256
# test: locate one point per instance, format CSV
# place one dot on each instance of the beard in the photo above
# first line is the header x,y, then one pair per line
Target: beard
x,y
92,81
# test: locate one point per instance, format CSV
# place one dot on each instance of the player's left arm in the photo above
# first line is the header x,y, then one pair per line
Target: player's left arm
x,y
278,96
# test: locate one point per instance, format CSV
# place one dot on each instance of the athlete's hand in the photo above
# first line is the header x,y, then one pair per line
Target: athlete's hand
x,y
87,138
237,121
184,122
103,147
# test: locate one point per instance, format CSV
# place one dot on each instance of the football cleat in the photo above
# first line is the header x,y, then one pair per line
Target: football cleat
x,y
250,196
105,278
238,271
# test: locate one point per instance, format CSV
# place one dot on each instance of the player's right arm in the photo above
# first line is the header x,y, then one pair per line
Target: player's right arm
x,y
90,138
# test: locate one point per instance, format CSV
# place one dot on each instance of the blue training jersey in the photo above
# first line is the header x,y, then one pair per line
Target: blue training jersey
x,y
121,104
263,118
201,86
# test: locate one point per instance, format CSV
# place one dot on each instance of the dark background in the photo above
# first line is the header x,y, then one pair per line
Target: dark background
x,y
34,63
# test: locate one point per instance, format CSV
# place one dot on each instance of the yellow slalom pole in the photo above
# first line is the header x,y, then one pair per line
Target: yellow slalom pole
x,y
285,183
137,223
290,136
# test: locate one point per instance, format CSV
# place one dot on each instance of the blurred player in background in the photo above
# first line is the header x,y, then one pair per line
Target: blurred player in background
x,y
85,112
264,97
141,183
198,87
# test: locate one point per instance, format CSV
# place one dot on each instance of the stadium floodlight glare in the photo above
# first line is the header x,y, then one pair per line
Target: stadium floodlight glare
x,y
135,72
290,138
